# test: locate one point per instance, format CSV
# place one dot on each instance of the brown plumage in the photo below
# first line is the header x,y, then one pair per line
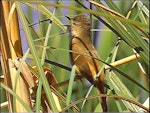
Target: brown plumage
x,y
84,52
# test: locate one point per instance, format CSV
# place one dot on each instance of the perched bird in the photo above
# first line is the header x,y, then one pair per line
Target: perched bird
x,y
83,54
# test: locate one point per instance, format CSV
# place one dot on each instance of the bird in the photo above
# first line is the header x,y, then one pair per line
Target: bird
x,y
84,55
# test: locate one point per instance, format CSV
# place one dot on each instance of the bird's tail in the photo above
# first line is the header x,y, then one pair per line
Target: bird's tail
x,y
100,87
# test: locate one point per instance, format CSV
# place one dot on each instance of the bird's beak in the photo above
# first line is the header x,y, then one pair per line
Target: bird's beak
x,y
67,25
68,17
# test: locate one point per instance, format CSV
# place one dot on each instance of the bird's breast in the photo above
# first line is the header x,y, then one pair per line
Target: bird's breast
x,y
82,57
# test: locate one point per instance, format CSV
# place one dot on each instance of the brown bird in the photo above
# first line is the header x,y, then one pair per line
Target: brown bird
x,y
83,54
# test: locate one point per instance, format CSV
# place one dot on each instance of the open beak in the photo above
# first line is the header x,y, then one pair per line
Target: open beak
x,y
68,26
68,17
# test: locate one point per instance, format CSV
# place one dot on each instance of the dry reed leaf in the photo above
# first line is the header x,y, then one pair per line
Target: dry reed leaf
x,y
27,75
52,81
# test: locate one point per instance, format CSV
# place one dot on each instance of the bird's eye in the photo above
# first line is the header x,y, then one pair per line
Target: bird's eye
x,y
74,23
